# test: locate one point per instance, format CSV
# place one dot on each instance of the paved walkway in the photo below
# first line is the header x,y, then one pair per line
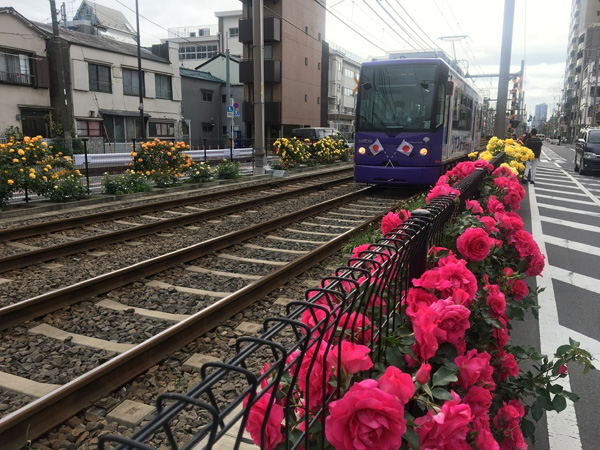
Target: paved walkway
x,y
562,210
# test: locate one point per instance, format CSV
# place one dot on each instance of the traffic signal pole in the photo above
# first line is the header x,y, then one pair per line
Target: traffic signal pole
x,y
501,98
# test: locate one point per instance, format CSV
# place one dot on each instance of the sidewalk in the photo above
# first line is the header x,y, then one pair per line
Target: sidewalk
x,y
562,211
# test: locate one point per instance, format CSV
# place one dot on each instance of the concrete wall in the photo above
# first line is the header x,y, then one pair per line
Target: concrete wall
x,y
14,30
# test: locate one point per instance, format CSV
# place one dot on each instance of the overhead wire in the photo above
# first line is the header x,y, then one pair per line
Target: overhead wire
x,y
392,28
406,27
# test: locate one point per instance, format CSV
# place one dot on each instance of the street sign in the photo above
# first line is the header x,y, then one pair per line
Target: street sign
x,y
229,114
230,109
236,105
236,113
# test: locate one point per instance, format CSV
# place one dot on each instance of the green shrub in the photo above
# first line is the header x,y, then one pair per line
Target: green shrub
x,y
125,183
228,170
199,173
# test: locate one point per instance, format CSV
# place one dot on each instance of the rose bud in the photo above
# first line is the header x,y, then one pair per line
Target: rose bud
x,y
422,376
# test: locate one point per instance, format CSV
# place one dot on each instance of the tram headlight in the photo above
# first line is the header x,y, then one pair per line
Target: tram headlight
x,y
362,151
423,151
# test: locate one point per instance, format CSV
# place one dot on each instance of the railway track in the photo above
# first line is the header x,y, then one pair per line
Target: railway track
x,y
146,312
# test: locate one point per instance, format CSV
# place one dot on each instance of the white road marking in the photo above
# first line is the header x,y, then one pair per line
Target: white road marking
x,y
563,430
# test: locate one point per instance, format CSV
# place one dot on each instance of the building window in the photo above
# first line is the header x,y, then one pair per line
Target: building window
x,y
88,128
306,61
204,32
318,100
319,37
207,96
234,32
306,29
207,127
99,78
348,92
319,65
159,129
131,82
223,98
224,129
163,86
197,52
305,98
268,51
349,73
15,68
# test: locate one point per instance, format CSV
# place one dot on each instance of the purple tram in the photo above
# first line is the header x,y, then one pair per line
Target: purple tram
x,y
415,119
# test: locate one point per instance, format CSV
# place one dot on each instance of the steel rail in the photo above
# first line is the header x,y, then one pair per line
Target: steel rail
x,y
54,408
9,234
20,260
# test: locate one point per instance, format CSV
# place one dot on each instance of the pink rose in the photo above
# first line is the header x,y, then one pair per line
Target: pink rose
x,y
356,327
489,223
519,290
417,297
474,244
448,429
485,440
457,276
495,300
494,205
422,376
474,207
365,418
563,369
536,265
509,221
314,378
480,400
475,369
505,365
390,221
354,358
424,321
453,319
273,435
397,383
312,316
524,243
440,191
483,164
502,337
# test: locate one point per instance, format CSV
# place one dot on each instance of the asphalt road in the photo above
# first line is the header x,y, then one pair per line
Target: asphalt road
x,y
562,210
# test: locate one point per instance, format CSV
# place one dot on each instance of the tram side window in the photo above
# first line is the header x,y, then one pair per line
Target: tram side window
x,y
463,112
439,105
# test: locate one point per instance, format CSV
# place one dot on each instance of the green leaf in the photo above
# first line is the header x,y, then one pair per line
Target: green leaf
x,y
528,428
427,389
394,357
412,438
555,388
559,403
574,343
537,411
571,396
560,351
444,376
442,394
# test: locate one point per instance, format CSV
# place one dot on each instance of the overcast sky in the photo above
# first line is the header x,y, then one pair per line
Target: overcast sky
x,y
540,31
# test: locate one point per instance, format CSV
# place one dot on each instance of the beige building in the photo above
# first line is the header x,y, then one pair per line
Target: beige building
x,y
295,69
24,82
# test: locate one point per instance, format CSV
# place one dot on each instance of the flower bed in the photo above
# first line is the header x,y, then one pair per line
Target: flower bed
x,y
408,345
428,365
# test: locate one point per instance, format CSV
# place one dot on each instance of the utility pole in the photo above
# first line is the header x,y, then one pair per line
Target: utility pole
x,y
59,96
595,89
507,31
258,55
229,102
140,74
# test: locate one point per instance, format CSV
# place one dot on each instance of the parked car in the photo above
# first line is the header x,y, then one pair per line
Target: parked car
x,y
587,150
541,136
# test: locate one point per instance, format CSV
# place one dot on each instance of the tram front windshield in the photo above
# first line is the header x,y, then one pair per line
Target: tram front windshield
x,y
395,98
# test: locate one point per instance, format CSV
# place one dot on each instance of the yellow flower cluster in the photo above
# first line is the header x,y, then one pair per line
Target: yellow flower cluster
x,y
291,151
163,162
515,154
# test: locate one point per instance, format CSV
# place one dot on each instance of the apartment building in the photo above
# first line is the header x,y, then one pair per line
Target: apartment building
x,y
295,68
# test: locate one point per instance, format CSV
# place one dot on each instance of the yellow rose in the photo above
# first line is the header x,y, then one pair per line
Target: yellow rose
x,y
10,182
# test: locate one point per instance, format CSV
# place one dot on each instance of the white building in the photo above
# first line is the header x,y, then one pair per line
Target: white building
x,y
344,70
200,43
24,77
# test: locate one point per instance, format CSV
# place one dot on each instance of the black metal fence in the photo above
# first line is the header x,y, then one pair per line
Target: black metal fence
x,y
358,302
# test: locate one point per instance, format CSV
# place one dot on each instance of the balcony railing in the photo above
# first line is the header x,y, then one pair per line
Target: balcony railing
x,y
16,78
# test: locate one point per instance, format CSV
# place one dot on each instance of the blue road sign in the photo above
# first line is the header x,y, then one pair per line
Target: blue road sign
x,y
230,109
236,113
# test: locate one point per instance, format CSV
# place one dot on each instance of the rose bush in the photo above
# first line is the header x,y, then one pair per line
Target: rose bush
x,y
448,376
